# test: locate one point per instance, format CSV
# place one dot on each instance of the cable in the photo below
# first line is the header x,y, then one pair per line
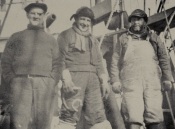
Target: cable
x,y
18,2
2,26
138,3
168,26
109,19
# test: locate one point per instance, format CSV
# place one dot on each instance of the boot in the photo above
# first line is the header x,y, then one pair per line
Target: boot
x,y
103,125
65,125
156,126
134,126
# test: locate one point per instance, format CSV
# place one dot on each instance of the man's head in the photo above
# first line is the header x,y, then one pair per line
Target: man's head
x,y
35,13
84,18
138,20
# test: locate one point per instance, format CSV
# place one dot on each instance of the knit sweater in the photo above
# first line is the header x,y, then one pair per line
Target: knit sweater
x,y
76,60
31,51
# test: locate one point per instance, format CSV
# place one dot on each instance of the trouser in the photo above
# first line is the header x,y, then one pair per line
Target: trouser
x,y
32,102
90,95
142,101
140,75
112,112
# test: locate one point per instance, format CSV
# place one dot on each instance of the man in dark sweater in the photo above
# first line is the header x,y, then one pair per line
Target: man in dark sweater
x,y
30,67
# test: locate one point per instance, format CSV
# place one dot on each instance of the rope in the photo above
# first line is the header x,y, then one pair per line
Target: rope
x,y
171,110
138,3
5,18
18,2
109,19
102,38
168,25
130,5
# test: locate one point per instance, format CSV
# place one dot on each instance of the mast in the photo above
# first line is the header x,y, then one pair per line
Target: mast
x,y
144,5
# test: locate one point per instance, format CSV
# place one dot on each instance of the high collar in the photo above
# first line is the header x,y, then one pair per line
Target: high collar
x,y
143,34
31,27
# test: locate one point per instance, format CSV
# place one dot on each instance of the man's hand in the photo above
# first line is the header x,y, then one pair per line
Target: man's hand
x,y
116,87
105,90
68,85
167,85
104,86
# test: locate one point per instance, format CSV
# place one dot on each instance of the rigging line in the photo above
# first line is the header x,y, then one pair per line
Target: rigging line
x,y
122,17
108,22
91,3
17,2
144,5
170,107
102,38
1,28
138,3
130,4
123,5
168,26
17,16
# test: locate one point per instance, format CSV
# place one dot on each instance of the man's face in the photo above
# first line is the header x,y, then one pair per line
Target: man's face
x,y
137,23
83,23
36,16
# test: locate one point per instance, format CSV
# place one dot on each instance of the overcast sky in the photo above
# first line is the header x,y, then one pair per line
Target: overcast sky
x,y
63,9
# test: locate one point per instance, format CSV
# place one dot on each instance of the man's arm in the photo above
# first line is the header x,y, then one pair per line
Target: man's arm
x,y
164,62
68,85
114,70
7,60
56,60
62,51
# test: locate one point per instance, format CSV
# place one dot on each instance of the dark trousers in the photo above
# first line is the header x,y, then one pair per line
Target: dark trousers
x,y
32,102
90,95
112,112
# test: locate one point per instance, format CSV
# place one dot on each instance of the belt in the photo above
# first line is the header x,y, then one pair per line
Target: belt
x,y
29,75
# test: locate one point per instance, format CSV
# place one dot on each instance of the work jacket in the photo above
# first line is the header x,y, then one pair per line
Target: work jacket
x,y
121,47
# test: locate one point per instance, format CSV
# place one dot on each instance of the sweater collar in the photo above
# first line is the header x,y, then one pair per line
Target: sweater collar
x,y
31,27
142,34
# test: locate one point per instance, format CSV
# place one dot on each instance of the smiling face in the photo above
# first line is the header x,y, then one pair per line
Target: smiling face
x,y
83,23
36,16
137,23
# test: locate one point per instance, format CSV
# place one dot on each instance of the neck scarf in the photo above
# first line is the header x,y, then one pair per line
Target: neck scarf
x,y
80,42
143,33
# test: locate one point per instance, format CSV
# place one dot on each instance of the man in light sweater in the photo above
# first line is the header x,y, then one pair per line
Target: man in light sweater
x,y
30,67
83,76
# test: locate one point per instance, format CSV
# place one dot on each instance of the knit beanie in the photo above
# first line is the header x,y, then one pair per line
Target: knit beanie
x,y
84,11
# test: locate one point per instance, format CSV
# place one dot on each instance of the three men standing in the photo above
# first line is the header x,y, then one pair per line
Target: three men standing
x,y
30,67
33,61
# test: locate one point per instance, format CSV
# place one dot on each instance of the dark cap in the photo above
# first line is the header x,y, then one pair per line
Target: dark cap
x,y
138,13
38,5
84,11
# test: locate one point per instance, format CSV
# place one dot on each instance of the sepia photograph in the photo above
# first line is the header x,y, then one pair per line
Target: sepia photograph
x,y
87,64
